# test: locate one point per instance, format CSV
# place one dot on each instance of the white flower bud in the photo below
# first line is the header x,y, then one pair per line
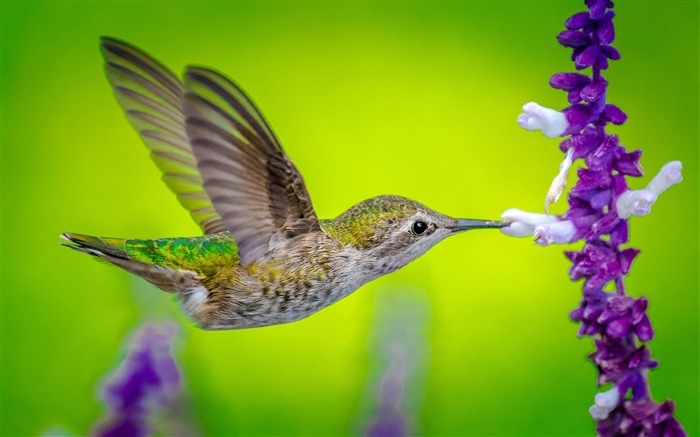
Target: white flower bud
x,y
559,182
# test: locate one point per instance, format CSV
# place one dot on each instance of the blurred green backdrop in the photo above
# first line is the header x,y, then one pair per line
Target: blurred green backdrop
x,y
411,98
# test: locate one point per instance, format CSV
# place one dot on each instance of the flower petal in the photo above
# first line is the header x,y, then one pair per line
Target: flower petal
x,y
601,198
577,21
626,257
628,164
614,114
619,328
644,330
587,57
611,52
573,38
620,234
594,90
597,8
606,29
577,117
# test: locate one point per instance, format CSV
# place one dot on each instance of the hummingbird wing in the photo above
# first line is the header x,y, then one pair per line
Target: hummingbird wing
x,y
254,186
151,96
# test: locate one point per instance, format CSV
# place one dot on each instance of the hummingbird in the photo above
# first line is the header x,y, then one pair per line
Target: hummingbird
x,y
265,257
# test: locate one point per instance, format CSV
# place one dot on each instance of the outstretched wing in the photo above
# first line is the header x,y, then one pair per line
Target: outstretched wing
x,y
254,186
151,96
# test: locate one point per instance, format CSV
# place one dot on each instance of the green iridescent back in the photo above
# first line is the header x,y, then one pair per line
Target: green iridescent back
x,y
206,255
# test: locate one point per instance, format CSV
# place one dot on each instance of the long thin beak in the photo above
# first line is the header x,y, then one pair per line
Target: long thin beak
x,y
467,224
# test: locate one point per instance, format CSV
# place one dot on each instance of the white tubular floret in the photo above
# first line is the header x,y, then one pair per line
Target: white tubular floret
x,y
561,232
604,403
638,202
535,117
522,223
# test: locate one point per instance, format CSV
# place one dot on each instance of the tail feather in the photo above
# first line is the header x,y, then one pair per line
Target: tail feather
x,y
114,250
100,247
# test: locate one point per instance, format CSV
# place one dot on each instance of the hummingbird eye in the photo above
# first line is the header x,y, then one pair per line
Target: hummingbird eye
x,y
419,227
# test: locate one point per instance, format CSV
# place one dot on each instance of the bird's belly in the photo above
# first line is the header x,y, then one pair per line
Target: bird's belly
x,y
250,302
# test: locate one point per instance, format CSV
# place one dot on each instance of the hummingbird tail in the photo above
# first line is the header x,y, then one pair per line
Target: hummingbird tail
x,y
96,246
114,251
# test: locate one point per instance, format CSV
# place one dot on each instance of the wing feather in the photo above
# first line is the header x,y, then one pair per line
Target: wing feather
x,y
151,96
254,186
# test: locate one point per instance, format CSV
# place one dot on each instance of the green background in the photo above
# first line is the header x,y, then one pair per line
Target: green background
x,y
410,98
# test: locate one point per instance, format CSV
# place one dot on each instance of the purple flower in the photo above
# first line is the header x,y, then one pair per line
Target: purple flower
x,y
399,349
145,381
624,315
600,205
646,418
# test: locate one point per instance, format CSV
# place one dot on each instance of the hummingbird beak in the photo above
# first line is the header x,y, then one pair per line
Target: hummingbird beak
x,y
461,225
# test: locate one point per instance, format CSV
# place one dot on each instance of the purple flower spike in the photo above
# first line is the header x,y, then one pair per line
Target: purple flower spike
x,y
600,206
146,380
619,322
398,349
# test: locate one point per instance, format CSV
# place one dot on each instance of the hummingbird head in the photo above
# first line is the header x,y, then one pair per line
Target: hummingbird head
x,y
392,231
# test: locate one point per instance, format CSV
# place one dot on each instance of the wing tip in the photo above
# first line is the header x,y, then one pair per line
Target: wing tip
x,y
206,75
106,39
199,74
113,50
111,43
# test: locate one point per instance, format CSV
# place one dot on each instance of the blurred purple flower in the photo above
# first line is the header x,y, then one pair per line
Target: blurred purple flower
x,y
147,381
399,354
600,205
